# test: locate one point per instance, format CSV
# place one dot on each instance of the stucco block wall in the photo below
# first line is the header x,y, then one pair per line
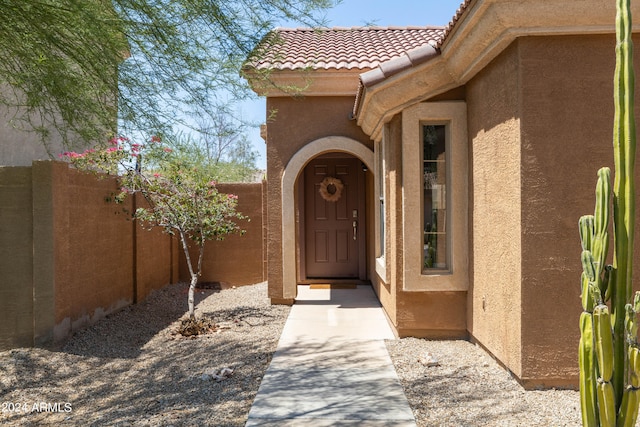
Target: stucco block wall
x,y
297,122
495,302
94,253
154,248
68,254
16,258
238,259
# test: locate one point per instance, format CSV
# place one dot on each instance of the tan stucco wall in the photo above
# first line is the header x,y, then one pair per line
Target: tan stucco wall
x,y
540,121
567,124
16,258
68,254
297,122
93,249
20,147
494,300
387,287
238,259
422,314
154,248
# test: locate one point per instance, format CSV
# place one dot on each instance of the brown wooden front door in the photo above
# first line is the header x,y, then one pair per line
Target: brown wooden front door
x,y
334,229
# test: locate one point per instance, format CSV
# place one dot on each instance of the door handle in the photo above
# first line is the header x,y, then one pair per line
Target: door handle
x,y
355,230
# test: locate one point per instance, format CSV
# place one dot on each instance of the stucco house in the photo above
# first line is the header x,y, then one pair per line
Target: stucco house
x,y
446,166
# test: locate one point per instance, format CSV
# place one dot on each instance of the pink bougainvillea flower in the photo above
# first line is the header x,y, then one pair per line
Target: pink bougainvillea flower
x,y
156,175
232,196
167,150
212,183
155,138
112,149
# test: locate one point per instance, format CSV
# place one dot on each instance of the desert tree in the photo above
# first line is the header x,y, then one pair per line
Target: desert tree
x,y
180,198
71,67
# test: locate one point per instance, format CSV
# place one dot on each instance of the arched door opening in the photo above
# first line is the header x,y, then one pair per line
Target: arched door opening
x,y
331,211
291,201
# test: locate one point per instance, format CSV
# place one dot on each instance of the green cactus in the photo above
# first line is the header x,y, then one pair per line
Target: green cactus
x,y
587,371
609,353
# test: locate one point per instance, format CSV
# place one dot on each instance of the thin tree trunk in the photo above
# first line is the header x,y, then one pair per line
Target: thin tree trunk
x,y
192,287
192,273
194,282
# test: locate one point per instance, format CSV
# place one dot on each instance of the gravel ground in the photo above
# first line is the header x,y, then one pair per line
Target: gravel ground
x,y
469,388
131,369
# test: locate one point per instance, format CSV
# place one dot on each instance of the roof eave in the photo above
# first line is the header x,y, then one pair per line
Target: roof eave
x,y
279,83
484,30
377,104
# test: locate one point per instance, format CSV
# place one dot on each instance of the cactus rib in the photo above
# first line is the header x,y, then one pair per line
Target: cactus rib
x,y
587,371
606,403
603,341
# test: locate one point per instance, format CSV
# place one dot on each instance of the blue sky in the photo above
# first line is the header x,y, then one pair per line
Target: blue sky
x,y
353,13
392,13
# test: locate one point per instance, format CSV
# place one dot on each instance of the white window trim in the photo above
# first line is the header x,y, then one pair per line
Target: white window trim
x,y
454,115
381,176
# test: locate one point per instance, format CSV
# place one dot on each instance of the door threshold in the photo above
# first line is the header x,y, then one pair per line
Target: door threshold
x,y
334,282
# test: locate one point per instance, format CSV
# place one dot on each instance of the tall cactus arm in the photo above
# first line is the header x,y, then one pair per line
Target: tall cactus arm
x,y
614,336
624,147
600,239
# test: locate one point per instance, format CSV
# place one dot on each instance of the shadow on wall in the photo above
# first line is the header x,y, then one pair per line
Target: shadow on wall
x,y
69,257
238,259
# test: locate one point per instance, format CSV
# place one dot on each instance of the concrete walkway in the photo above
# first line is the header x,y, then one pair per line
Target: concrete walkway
x,y
331,367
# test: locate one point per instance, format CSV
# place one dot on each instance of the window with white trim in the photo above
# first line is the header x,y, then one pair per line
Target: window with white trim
x,y
435,216
434,198
380,177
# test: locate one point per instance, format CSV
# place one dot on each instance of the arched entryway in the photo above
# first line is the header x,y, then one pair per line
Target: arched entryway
x,y
331,218
340,147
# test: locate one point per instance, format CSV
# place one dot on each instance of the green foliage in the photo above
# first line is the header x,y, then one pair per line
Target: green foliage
x,y
69,63
59,68
221,147
609,353
180,198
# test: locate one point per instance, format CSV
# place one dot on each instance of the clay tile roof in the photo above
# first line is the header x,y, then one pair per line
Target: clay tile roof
x,y
447,30
360,48
408,59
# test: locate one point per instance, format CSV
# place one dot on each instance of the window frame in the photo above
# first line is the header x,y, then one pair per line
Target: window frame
x,y
381,211
452,114
447,160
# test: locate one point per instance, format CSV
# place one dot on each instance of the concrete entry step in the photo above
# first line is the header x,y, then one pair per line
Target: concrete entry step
x,y
333,286
331,366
